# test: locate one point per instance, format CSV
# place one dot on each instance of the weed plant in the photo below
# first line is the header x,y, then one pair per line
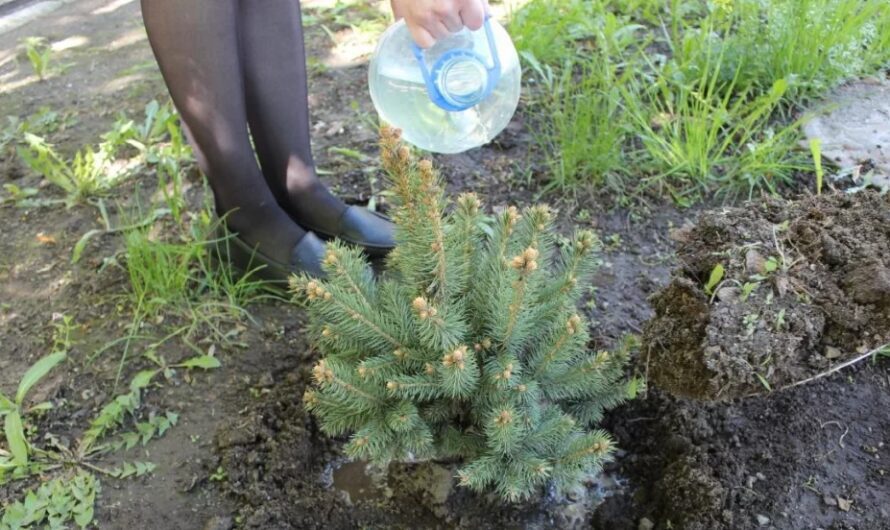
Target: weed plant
x,y
699,136
176,285
580,124
39,52
69,473
182,275
90,173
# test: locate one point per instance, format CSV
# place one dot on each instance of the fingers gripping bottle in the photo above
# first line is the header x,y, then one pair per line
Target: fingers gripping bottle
x,y
454,96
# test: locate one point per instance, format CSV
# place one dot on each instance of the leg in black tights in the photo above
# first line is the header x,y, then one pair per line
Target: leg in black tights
x,y
196,43
230,62
274,64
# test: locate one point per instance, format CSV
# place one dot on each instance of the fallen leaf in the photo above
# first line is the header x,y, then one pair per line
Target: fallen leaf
x,y
45,239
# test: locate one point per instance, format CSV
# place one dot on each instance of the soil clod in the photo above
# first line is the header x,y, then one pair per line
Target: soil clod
x,y
806,284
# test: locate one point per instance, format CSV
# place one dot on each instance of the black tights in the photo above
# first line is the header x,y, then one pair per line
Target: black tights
x,y
234,64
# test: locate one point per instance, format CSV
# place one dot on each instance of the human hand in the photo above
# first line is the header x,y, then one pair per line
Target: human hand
x,y
430,20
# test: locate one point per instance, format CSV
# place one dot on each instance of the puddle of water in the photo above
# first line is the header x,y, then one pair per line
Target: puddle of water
x,y
432,485
357,481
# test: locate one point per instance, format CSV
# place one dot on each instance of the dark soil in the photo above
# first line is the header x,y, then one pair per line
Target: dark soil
x,y
279,468
794,458
820,272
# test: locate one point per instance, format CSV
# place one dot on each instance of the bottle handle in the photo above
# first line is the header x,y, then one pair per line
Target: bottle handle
x,y
430,78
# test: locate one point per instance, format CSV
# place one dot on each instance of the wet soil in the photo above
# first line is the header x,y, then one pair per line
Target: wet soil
x,y
805,286
284,474
811,457
246,455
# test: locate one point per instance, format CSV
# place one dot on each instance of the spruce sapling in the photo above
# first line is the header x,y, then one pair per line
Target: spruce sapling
x,y
469,347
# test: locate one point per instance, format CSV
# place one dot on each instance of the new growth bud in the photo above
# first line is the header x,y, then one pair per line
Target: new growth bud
x,y
390,133
513,216
469,203
504,418
526,262
310,398
423,309
585,241
314,291
404,154
599,448
330,257
391,149
541,215
574,324
506,374
456,358
322,373
601,358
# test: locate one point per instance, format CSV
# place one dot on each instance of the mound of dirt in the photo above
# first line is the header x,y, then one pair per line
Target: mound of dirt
x,y
805,285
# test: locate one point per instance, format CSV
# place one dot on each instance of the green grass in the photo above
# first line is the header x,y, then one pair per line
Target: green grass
x,y
549,29
580,129
708,92
701,135
577,112
814,44
181,275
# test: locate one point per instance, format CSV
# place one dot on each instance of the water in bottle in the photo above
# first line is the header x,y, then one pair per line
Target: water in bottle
x,y
454,96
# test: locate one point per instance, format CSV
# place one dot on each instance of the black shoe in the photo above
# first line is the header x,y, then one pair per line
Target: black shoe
x,y
362,227
306,257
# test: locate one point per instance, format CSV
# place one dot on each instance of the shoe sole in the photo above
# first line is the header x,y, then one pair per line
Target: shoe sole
x,y
370,250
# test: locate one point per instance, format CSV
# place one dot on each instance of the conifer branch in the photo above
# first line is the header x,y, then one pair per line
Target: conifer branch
x,y
565,334
332,260
355,315
525,263
432,197
323,374
599,448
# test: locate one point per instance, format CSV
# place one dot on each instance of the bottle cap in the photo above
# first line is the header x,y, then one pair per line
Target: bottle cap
x,y
461,78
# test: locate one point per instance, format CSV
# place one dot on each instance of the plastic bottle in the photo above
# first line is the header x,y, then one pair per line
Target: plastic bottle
x,y
454,96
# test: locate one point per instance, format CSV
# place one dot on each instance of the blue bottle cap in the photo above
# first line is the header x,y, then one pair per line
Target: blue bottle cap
x,y
461,78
